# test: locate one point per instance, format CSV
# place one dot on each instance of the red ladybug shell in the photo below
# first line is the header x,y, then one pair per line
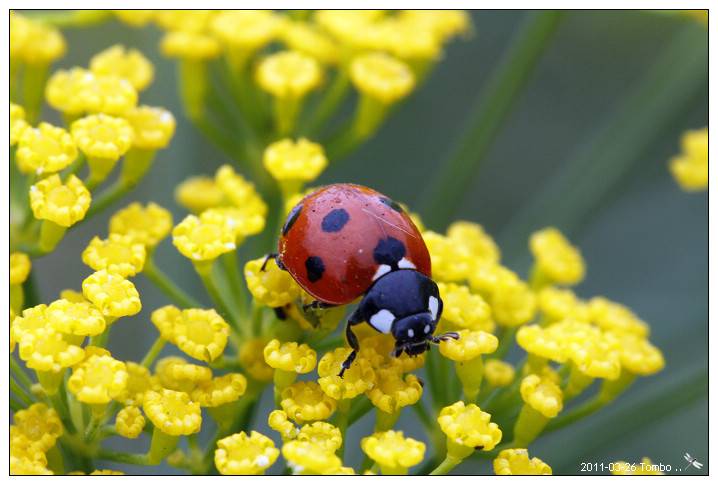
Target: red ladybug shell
x,y
331,241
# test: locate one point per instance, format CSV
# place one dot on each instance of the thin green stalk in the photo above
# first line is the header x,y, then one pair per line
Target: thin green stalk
x,y
236,285
342,422
493,107
423,415
581,411
176,294
20,373
108,197
445,466
20,393
204,270
16,405
359,410
327,106
129,458
506,342
153,352
602,161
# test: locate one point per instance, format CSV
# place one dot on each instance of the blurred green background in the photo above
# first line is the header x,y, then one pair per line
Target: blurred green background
x,y
585,148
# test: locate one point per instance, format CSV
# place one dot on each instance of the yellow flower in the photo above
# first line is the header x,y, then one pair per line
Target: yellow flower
x,y
135,18
321,433
290,356
139,382
351,27
98,379
32,319
147,225
306,457
153,127
112,294
512,301
129,422
393,452
542,394
309,40
538,341
443,23
474,239
76,318
470,345
450,260
118,254
468,426
189,45
516,461
359,378
17,123
288,74
63,204
46,350
45,149
381,77
639,356
690,168
201,334
287,160
183,20
179,375
616,318
173,412
199,193
204,238
127,64
244,221
251,357
240,192
164,319
646,467
557,304
403,39
40,424
245,30
106,472
102,136
272,287
556,259
78,91
279,422
240,454
464,309
392,392
20,266
220,390
72,296
376,349
305,401
27,455
593,352
41,44
498,373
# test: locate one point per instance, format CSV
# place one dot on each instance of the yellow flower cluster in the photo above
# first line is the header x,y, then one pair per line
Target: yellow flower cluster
x,y
690,167
34,434
201,334
34,43
517,462
242,454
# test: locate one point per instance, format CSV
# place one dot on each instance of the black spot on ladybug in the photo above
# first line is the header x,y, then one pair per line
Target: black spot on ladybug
x,y
390,203
389,251
335,220
315,268
291,219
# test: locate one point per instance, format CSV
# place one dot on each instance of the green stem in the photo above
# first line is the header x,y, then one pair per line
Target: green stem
x,y
153,352
423,415
507,341
238,289
20,373
129,458
342,422
445,466
359,410
20,393
605,159
161,280
493,107
107,198
327,106
204,270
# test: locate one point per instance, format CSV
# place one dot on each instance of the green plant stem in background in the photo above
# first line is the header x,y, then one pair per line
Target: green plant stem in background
x,y
238,290
637,124
153,352
161,280
493,106
328,104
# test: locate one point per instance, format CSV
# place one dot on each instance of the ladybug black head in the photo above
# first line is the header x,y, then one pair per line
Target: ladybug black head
x,y
406,304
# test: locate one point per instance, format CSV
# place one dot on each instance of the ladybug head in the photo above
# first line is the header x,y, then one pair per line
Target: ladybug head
x,y
405,303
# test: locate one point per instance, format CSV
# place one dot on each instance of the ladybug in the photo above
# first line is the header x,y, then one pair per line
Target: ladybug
x,y
346,241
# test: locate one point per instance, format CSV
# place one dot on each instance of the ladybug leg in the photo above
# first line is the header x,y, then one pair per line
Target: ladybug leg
x,y
445,336
316,304
355,319
277,260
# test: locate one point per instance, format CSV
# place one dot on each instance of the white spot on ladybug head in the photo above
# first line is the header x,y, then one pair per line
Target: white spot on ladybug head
x,y
433,306
382,321
410,333
406,264
427,329
381,271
